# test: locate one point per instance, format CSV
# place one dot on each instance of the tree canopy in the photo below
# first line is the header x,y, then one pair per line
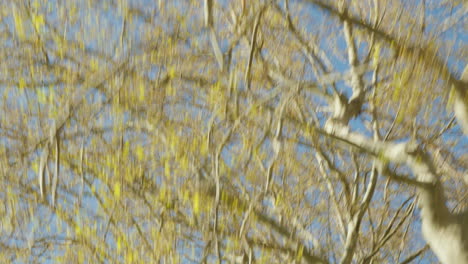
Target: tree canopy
x,y
267,131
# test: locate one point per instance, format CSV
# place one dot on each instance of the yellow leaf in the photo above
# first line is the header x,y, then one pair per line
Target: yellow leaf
x,y
81,257
162,194
451,99
139,152
78,230
400,118
94,65
184,162
278,199
129,174
35,167
196,203
18,24
36,5
397,87
21,83
173,141
38,21
59,43
129,257
171,72
167,169
142,91
376,54
204,148
119,244
117,190
51,95
126,150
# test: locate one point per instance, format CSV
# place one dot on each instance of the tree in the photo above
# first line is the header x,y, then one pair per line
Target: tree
x,y
233,131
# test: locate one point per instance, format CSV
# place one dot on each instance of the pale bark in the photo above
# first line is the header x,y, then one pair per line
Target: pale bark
x,y
461,102
445,232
